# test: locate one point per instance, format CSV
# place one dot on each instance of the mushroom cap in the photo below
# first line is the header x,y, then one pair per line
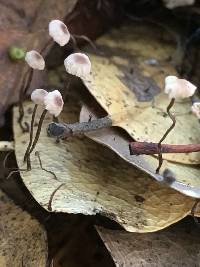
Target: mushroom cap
x,y
78,64
38,96
196,109
35,60
54,103
178,88
59,32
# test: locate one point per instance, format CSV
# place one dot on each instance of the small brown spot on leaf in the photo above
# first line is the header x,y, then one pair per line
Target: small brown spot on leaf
x,y
139,198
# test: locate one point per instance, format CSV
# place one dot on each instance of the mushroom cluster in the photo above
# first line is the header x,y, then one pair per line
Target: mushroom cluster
x,y
76,64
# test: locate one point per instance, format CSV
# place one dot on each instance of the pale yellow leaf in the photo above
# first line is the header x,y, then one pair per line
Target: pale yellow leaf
x,y
96,181
124,75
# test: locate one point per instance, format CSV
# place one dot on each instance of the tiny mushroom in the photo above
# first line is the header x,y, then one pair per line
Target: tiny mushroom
x,y
196,109
35,60
178,88
78,64
59,32
54,103
38,96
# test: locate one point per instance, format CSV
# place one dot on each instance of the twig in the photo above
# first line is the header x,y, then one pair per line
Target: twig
x,y
64,130
166,133
145,148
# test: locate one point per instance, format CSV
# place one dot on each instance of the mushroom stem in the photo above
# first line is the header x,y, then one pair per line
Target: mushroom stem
x,y
85,38
31,132
172,117
67,84
46,46
51,197
37,135
23,90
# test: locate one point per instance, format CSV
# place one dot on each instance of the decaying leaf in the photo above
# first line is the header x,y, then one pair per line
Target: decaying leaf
x,y
177,246
92,179
22,25
184,178
129,77
22,238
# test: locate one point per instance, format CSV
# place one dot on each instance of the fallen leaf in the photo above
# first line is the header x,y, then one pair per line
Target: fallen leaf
x,y
184,178
176,246
22,25
23,239
123,80
94,180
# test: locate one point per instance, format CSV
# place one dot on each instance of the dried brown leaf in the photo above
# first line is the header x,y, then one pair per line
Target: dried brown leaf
x,y
22,25
22,238
173,247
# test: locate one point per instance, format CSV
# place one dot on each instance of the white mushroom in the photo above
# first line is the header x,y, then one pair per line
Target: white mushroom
x,y
38,96
35,60
78,64
178,88
54,103
59,32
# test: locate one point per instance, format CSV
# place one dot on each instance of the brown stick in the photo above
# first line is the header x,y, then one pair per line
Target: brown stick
x,y
65,130
145,148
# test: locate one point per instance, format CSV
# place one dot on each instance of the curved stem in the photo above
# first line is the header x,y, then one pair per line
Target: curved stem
x,y
46,46
51,197
23,90
86,39
41,166
172,117
37,135
31,132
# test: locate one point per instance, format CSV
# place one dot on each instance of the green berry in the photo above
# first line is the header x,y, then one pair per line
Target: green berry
x,y
16,53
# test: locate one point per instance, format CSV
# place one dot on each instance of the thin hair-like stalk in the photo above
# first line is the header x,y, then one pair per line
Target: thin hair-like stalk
x,y
23,90
37,135
172,117
37,154
31,132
